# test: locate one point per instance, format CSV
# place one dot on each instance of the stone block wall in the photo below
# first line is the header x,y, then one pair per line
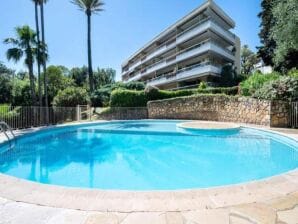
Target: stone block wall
x,y
122,114
280,114
221,108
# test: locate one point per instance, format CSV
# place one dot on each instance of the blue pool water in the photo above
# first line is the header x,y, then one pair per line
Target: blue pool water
x,y
146,155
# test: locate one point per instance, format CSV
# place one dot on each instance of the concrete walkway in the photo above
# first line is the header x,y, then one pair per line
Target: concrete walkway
x,y
284,210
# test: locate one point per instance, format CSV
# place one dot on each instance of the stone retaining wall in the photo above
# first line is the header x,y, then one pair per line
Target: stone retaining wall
x,y
122,114
222,108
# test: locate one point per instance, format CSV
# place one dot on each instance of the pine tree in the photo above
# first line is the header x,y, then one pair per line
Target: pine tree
x,y
266,51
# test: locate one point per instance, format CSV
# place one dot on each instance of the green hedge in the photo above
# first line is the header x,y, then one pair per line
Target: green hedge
x,y
128,98
133,98
231,91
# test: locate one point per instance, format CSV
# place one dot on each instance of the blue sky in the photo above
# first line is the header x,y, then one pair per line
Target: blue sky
x,y
120,30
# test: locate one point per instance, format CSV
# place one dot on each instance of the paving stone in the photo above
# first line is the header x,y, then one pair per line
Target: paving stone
x,y
256,213
145,218
283,203
174,218
220,216
103,218
68,217
288,216
21,213
239,220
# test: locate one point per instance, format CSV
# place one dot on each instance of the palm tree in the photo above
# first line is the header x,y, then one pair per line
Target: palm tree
x,y
36,3
24,45
89,7
44,56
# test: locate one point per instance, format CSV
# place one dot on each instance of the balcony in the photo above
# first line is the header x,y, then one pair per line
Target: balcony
x,y
192,31
185,73
193,51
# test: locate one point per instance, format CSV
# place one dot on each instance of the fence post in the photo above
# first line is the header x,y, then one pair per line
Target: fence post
x,y
78,113
90,112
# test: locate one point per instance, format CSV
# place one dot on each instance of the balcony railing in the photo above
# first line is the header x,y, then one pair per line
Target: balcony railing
x,y
186,53
184,73
183,36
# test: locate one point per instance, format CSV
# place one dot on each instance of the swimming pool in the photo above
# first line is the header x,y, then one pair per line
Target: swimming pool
x,y
147,155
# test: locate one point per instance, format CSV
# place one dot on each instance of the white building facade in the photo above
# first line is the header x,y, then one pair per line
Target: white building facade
x,y
192,50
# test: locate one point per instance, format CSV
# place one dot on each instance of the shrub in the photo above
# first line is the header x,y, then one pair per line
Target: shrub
x,y
165,94
21,93
152,93
255,82
132,98
285,88
133,85
293,73
220,90
71,97
128,98
203,85
7,112
101,97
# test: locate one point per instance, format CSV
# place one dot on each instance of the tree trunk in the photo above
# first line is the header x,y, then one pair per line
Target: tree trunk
x,y
90,71
31,78
38,61
44,65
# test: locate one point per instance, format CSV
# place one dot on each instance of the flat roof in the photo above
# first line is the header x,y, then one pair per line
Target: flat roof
x,y
198,10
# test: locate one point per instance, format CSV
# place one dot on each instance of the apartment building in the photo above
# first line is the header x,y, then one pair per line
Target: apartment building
x,y
192,50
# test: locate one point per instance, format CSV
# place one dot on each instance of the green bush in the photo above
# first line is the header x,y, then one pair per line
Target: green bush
x,y
293,73
128,98
132,98
133,85
71,97
165,94
101,97
220,90
255,82
203,85
7,112
285,88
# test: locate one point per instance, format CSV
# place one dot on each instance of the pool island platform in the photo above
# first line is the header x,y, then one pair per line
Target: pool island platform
x,y
272,200
206,125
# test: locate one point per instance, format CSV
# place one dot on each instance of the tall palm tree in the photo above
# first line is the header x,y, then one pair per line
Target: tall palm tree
x,y
24,45
89,7
36,3
44,56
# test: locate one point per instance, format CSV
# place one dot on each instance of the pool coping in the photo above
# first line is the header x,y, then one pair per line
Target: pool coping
x,y
260,191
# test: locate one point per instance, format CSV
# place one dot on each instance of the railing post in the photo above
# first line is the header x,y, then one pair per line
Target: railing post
x,y
78,113
90,112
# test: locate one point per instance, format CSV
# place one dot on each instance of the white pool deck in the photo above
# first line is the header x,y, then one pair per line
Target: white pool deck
x,y
272,200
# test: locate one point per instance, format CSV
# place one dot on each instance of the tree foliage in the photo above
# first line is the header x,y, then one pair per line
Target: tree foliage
x,y
285,33
228,76
266,51
5,84
24,45
71,97
284,88
279,21
248,60
57,81
256,81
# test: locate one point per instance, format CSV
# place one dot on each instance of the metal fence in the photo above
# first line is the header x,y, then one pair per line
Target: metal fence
x,y
294,115
26,117
18,117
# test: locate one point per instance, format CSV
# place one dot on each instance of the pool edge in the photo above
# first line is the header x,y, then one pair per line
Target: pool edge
x,y
260,191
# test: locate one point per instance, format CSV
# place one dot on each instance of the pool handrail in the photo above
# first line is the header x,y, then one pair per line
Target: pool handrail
x,y
4,127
